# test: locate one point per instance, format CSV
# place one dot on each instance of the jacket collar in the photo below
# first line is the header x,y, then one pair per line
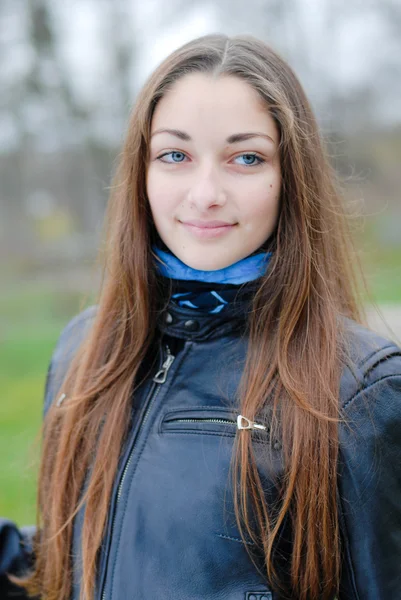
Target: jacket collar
x,y
190,324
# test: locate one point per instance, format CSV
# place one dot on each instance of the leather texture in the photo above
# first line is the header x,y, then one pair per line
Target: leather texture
x,y
171,532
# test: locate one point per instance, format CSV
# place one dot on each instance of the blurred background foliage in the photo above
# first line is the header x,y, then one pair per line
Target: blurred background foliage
x,y
69,74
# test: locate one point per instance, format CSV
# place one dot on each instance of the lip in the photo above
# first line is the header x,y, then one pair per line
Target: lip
x,y
207,224
208,229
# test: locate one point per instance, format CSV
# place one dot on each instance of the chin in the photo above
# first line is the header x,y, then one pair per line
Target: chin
x,y
203,264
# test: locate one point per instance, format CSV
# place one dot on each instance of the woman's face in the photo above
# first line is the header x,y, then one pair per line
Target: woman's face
x,y
213,180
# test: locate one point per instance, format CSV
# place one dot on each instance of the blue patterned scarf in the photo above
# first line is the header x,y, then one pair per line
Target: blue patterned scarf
x,y
210,291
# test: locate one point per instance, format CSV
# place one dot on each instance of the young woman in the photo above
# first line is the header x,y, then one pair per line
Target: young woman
x,y
220,425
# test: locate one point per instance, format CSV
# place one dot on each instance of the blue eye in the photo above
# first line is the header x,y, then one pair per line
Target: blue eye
x,y
181,154
168,154
260,160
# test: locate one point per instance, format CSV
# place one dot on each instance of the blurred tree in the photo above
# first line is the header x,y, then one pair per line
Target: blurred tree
x,y
59,133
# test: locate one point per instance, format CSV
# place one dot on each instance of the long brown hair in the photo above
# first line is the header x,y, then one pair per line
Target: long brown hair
x,y
294,361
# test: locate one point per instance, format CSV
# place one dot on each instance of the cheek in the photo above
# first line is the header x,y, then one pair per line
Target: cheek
x,y
159,200
162,195
263,209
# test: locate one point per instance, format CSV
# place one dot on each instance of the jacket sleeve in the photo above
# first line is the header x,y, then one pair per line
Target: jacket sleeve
x,y
16,548
16,557
370,487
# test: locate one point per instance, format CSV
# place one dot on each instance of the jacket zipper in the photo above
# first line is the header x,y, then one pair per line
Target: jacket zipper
x,y
241,422
201,421
158,380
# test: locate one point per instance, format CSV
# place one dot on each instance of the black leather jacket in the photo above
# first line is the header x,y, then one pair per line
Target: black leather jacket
x,y
172,532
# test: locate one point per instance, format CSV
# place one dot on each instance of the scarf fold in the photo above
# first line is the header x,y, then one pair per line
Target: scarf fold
x,y
211,291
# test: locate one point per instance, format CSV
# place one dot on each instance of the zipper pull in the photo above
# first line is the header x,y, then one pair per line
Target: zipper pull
x,y
244,423
161,375
61,399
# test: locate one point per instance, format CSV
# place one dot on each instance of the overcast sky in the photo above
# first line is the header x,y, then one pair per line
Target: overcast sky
x,y
359,51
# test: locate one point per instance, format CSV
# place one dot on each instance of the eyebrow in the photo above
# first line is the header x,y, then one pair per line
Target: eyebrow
x,y
232,139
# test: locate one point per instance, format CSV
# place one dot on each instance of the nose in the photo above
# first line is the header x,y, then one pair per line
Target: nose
x,y
205,190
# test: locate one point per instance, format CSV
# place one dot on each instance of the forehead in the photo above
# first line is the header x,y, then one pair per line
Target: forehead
x,y
227,104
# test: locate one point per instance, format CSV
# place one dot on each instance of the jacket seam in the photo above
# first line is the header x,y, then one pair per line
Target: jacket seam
x,y
347,551
215,433
234,539
198,406
382,359
365,389
378,351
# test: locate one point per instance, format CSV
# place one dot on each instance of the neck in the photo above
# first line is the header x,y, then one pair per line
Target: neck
x,y
249,268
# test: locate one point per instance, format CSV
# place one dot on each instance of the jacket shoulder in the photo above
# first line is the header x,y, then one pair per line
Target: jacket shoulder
x,y
369,488
68,343
370,358
74,332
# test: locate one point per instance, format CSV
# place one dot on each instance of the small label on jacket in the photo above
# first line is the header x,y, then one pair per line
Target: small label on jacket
x,y
258,596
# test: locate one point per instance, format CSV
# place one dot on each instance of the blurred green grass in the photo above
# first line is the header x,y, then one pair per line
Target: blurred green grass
x,y
31,319
378,245
383,275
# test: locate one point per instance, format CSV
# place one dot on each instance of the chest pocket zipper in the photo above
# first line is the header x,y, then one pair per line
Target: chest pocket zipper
x,y
203,421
